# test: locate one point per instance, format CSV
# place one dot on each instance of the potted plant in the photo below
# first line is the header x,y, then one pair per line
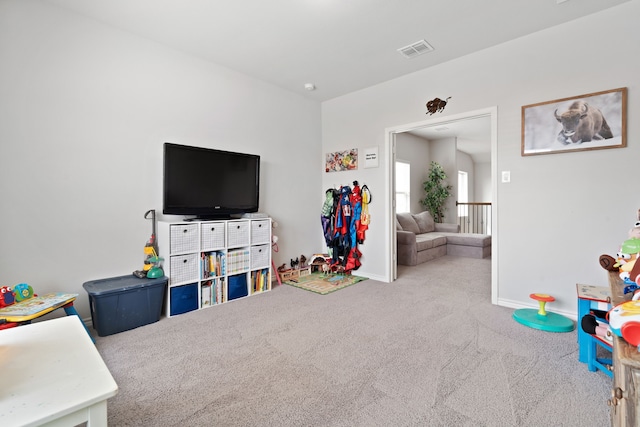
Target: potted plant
x,y
437,192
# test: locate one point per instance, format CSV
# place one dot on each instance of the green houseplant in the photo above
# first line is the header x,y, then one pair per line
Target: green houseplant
x,y
437,191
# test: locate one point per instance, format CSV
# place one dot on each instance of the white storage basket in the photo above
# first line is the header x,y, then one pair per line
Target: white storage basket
x,y
237,234
184,238
185,268
260,231
260,256
212,235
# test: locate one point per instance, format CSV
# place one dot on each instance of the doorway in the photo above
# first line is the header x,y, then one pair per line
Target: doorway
x,y
432,124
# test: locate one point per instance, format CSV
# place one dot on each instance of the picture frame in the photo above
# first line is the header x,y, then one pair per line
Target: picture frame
x,y
341,160
593,121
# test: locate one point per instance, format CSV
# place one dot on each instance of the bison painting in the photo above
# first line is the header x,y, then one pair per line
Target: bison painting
x,y
582,123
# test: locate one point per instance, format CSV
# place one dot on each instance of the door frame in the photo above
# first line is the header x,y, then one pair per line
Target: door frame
x,y
390,156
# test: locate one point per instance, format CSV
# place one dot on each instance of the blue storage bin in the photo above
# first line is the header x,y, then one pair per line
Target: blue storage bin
x,y
183,299
238,286
124,302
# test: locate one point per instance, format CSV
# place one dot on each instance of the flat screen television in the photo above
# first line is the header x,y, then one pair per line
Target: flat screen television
x,y
209,183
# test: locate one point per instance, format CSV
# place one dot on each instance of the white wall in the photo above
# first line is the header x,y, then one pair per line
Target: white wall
x,y
85,110
482,187
559,212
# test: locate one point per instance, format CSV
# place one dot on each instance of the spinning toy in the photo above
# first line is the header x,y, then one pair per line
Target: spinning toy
x,y
542,319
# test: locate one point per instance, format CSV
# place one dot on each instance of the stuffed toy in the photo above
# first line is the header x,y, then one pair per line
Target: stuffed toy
x,y
7,296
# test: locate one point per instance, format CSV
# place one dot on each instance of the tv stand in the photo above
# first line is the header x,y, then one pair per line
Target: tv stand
x,y
210,262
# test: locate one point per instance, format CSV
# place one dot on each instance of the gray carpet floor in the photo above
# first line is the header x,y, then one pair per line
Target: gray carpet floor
x,y
426,350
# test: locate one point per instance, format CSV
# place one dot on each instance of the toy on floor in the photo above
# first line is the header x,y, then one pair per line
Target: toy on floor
x,y
541,319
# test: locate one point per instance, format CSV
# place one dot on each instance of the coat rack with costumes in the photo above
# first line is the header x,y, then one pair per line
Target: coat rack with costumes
x,y
345,219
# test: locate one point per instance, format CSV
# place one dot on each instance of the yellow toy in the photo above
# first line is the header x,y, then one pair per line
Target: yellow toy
x,y
151,267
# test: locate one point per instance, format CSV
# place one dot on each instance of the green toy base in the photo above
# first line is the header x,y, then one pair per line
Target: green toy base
x,y
552,322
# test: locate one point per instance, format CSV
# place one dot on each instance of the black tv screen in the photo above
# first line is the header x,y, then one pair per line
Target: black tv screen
x,y
209,183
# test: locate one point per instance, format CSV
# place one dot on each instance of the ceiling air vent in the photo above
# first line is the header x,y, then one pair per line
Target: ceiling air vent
x,y
415,49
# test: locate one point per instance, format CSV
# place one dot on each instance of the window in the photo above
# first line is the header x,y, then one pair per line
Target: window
x,y
463,193
403,187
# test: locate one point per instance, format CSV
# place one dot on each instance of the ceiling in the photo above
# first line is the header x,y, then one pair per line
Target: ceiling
x,y
340,46
473,136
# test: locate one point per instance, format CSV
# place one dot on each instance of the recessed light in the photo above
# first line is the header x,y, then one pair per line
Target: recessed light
x,y
310,86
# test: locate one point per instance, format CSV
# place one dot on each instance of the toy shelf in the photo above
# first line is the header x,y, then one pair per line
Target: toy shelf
x,y
212,262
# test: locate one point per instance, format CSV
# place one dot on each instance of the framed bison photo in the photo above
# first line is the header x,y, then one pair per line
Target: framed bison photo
x,y
587,122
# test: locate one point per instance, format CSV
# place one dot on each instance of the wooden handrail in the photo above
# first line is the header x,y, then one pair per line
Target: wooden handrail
x,y
474,217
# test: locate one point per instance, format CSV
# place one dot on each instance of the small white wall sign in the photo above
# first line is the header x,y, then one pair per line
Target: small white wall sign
x,y
371,157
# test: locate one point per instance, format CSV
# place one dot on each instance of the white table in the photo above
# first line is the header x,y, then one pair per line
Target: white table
x,y
52,374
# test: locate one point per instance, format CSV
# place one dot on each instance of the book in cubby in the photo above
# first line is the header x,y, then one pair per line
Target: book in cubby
x,y
259,280
213,264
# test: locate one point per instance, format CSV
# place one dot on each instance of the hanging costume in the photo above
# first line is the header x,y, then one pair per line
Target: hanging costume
x,y
342,225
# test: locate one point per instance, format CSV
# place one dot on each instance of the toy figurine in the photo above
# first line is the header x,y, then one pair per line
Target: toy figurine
x,y
626,258
7,297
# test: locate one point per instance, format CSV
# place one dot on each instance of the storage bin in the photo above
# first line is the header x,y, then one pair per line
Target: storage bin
x,y
260,231
212,235
260,256
124,302
183,299
237,233
184,268
238,286
184,238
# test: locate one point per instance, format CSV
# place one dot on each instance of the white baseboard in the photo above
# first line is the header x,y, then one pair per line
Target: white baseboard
x,y
517,304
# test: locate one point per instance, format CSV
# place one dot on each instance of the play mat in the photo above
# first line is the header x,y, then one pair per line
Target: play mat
x,y
324,284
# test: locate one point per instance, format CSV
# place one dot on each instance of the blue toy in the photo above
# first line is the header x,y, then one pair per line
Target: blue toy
x,y
23,292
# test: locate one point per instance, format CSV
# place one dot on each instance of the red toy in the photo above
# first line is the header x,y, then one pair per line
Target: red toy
x,y
7,296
